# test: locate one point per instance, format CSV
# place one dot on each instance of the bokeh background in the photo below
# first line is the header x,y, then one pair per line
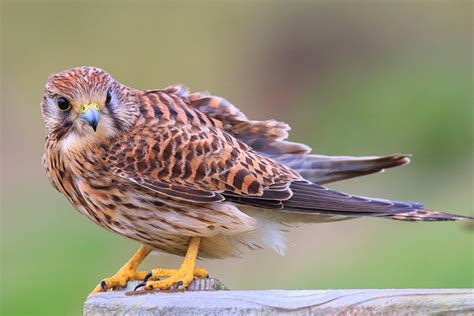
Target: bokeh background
x,y
361,78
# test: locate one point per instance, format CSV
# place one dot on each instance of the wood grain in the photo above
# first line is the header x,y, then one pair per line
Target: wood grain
x,y
281,302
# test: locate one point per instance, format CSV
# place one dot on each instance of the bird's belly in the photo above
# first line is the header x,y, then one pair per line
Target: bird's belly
x,y
153,222
158,221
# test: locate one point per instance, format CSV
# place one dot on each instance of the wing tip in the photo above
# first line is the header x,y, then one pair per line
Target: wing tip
x,y
397,159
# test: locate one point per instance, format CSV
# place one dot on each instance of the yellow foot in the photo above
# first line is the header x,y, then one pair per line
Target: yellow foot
x,y
176,279
118,280
126,273
156,274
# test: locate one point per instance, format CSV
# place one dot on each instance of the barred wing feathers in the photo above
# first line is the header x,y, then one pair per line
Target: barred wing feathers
x,y
269,138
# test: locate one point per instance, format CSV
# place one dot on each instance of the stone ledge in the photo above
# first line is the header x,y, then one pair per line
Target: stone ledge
x,y
279,302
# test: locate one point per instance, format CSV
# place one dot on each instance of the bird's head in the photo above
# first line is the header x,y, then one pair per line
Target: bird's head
x,y
84,105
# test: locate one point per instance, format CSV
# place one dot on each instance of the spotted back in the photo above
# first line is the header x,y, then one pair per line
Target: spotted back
x,y
268,136
181,152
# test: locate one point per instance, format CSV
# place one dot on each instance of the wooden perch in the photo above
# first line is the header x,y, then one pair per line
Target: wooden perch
x,y
214,301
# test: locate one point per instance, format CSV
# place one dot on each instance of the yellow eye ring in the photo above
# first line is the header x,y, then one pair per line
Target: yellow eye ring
x,y
63,104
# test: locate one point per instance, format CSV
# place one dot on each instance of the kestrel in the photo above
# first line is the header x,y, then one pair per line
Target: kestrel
x,y
183,173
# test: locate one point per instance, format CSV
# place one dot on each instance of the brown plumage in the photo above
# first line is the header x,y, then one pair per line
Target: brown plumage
x,y
165,166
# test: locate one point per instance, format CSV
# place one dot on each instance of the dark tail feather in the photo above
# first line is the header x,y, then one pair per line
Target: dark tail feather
x,y
324,169
311,198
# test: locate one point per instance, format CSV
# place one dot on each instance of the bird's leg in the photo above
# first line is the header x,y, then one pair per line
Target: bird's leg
x,y
126,273
180,278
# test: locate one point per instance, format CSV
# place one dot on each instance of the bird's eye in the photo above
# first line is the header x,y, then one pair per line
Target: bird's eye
x,y
108,98
63,104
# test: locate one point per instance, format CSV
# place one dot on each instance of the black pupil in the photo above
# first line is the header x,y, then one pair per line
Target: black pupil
x,y
63,104
109,97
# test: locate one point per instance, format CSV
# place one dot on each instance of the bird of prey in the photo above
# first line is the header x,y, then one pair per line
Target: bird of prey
x,y
189,174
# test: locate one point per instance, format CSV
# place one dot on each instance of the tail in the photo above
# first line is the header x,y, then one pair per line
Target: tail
x,y
324,169
311,198
428,216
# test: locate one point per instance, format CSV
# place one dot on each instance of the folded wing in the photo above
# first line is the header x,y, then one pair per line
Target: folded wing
x,y
269,137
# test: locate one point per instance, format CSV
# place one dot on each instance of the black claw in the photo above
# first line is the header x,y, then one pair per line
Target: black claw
x,y
179,284
207,276
149,274
141,284
103,285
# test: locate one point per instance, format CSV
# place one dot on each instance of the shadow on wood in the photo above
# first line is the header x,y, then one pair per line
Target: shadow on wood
x,y
274,302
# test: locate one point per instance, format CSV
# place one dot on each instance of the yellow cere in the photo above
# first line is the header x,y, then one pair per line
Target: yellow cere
x,y
86,107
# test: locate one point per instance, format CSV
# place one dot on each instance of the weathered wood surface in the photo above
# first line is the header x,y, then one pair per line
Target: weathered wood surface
x,y
281,302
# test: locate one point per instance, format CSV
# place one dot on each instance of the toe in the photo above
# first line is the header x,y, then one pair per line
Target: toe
x,y
149,286
185,282
97,289
201,273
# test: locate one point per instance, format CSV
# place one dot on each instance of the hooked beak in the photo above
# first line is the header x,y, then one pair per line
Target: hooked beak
x,y
90,114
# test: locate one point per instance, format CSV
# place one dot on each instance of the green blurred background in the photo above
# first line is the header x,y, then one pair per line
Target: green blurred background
x,y
361,78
